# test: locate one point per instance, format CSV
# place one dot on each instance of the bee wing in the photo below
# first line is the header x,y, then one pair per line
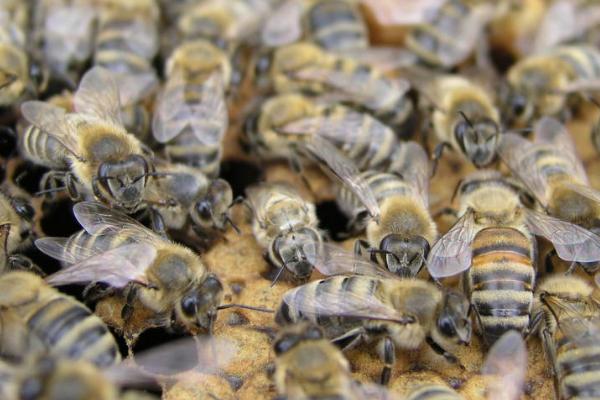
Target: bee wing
x,y
585,191
327,155
207,119
54,121
559,25
95,217
116,267
451,254
98,96
413,165
135,87
401,12
201,354
550,131
571,242
335,260
517,153
341,304
354,87
142,38
284,24
507,362
56,247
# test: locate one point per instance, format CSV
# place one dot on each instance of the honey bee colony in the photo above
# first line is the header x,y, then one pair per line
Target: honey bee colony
x,y
299,199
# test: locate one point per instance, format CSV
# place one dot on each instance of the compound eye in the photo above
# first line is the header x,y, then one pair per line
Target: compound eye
x,y
313,333
189,305
285,344
204,210
446,327
518,105
24,210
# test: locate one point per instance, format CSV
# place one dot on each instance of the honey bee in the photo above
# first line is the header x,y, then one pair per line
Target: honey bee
x,y
333,25
104,160
165,277
285,123
308,366
64,30
16,67
552,171
126,43
493,240
304,67
42,376
464,117
569,323
545,84
52,321
16,216
401,229
204,202
368,303
283,225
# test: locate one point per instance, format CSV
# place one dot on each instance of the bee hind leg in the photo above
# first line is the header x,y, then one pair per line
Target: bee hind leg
x,y
387,353
451,358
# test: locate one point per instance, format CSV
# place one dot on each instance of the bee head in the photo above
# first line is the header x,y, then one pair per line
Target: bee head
x,y
124,180
198,307
453,322
402,256
518,107
296,251
212,209
294,335
478,140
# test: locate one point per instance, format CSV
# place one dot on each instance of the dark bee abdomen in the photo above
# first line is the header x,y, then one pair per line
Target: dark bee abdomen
x,y
42,149
500,281
335,25
578,366
69,329
434,392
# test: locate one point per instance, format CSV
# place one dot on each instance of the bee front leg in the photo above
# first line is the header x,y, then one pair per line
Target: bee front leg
x,y
18,262
387,353
127,310
451,358
361,245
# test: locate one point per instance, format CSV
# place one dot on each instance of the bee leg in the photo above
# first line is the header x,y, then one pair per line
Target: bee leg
x,y
451,358
22,263
93,292
71,185
361,244
127,310
387,353
51,182
437,154
349,339
157,222
550,350
534,325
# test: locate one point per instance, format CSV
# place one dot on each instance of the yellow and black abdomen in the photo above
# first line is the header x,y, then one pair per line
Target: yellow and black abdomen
x,y
500,281
336,25
42,149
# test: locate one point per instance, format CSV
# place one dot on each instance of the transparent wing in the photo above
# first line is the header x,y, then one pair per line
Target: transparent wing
x,y
413,165
343,304
402,12
550,131
572,242
68,33
135,87
585,191
451,254
207,118
355,87
56,247
202,354
54,121
559,25
116,267
141,38
95,217
284,24
327,155
335,260
506,361
98,96
519,154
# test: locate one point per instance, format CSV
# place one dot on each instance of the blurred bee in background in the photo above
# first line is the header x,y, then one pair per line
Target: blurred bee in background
x,y
400,229
464,116
505,368
368,303
493,240
553,172
281,126
306,68
569,326
309,366
19,74
104,160
127,42
285,226
16,216
50,322
64,32
57,378
548,83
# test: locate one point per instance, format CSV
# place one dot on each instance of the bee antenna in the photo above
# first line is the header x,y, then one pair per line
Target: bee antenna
x,y
51,190
233,225
466,119
253,308
277,276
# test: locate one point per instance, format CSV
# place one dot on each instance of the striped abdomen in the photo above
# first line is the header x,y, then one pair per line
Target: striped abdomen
x,y
383,185
500,281
360,286
41,148
583,60
71,330
434,392
577,366
80,242
337,25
